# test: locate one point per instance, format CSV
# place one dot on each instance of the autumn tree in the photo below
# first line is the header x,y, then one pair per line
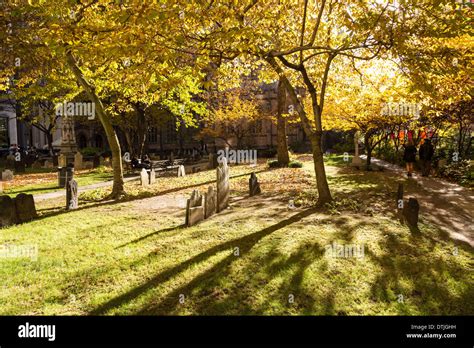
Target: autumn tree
x,y
300,40
232,116
105,48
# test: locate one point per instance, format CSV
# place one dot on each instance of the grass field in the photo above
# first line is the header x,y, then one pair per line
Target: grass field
x,y
258,257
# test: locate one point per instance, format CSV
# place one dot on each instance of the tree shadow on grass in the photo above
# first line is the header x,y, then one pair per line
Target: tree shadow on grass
x,y
245,244
135,241
240,298
412,268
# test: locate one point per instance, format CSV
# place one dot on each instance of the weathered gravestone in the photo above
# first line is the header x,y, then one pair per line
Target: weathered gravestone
x,y
1,187
194,209
78,161
25,208
223,188
7,211
210,202
65,174
254,186
152,176
7,175
62,161
144,179
411,211
181,171
72,195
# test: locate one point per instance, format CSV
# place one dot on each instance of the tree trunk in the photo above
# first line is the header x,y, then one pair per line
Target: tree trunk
x,y
117,189
141,129
49,139
324,194
313,133
368,150
282,144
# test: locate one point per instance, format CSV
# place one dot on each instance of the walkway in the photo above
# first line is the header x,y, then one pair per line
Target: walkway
x,y
448,205
62,193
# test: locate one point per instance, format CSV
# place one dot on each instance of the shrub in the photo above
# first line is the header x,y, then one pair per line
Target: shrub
x,y
344,147
273,163
461,172
90,151
295,164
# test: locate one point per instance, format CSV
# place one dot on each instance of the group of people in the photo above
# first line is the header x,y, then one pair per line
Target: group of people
x,y
425,154
144,162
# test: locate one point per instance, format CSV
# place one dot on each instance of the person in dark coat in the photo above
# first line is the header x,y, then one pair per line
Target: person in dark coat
x,y
426,156
409,156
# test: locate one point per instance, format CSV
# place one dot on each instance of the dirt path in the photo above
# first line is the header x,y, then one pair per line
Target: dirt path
x,y
448,205
62,193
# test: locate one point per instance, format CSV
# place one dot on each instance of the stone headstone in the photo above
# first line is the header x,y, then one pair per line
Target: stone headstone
x,y
152,176
223,187
254,186
78,161
36,165
411,211
210,202
7,175
62,161
7,211
65,174
144,179
1,187
72,195
194,209
48,164
25,208
88,165
181,171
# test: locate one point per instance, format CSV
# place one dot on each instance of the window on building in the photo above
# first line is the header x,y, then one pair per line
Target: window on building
x,y
152,135
257,127
171,132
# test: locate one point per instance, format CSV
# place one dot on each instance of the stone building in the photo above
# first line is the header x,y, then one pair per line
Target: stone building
x,y
160,138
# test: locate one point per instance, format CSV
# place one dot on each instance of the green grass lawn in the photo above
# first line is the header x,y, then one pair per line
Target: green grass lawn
x,y
132,258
